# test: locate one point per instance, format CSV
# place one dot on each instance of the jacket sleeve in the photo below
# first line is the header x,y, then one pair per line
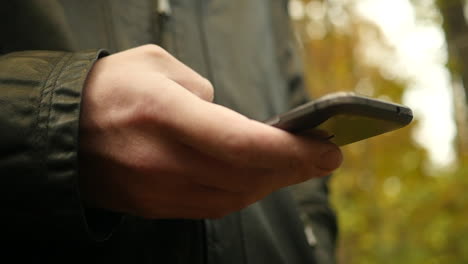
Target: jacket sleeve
x,y
40,96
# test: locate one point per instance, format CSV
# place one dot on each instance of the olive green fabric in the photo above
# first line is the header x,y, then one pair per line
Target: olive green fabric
x,y
243,47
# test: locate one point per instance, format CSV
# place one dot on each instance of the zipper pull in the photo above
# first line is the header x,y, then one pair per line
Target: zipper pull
x,y
164,7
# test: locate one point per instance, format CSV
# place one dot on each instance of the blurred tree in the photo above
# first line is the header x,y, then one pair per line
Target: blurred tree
x,y
456,33
392,206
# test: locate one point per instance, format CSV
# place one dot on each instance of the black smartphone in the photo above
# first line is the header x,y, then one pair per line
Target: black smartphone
x,y
344,118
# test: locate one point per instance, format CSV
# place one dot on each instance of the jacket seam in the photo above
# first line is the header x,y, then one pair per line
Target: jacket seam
x,y
52,95
242,239
37,132
109,25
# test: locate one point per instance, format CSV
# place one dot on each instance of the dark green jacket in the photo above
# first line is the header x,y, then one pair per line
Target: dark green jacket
x,y
48,46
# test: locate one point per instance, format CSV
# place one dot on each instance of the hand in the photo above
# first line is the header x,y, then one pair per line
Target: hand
x,y
153,144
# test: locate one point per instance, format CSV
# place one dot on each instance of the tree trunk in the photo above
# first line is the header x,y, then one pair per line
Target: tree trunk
x,y
456,33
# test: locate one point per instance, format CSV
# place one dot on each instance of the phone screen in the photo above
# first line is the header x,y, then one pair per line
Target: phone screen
x,y
344,129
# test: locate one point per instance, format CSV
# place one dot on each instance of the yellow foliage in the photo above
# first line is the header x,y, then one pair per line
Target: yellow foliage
x,y
392,205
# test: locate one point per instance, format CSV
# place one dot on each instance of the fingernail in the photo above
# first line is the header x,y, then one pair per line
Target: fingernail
x,y
331,158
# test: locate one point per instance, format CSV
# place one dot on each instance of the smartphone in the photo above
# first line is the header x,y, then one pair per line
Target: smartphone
x,y
344,118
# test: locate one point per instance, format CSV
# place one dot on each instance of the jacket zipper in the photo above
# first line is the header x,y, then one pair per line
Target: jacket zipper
x,y
109,26
163,11
204,42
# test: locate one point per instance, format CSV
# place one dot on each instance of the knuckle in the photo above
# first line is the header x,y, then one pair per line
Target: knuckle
x,y
207,90
238,145
154,50
142,115
235,143
149,110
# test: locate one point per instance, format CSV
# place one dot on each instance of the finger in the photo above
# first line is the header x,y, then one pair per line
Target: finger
x,y
197,167
206,170
229,136
165,156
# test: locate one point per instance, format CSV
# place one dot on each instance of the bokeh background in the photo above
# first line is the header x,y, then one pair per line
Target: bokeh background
x,y
401,197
